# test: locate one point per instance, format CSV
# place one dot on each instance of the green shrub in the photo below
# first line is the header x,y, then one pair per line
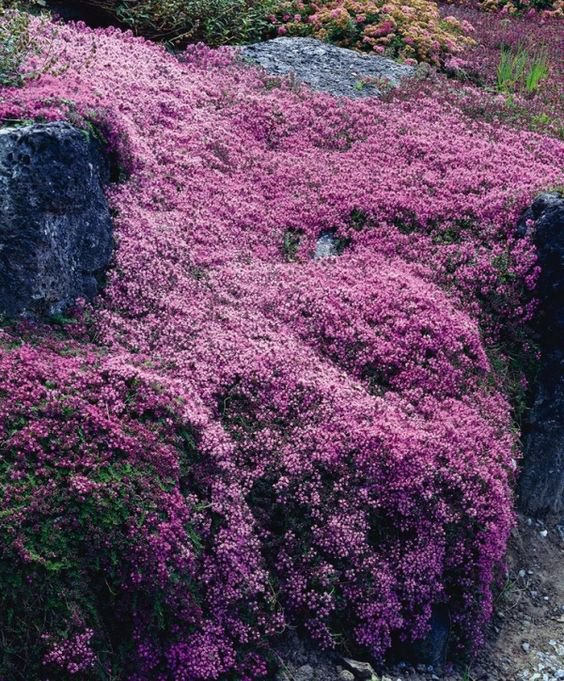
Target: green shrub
x,y
215,22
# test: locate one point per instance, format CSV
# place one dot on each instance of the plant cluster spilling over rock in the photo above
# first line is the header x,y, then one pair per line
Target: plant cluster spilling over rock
x,y
240,437
117,529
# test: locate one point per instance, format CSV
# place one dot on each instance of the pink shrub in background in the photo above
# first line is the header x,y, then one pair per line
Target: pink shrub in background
x,y
354,455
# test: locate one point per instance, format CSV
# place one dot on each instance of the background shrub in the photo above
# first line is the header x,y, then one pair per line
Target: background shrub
x,y
215,22
410,30
548,8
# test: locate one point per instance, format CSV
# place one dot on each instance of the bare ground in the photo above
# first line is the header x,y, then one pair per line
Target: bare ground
x,y
526,637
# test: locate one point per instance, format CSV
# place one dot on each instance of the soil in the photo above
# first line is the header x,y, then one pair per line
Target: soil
x,y
526,637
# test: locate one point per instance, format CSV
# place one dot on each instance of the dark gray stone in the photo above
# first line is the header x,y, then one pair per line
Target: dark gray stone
x,y
326,67
297,655
55,224
542,478
432,650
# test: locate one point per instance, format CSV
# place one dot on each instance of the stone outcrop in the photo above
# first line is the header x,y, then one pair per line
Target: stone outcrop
x,y
332,69
55,224
542,479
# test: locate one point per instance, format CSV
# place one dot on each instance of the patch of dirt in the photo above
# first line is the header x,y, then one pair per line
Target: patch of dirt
x,y
527,631
526,638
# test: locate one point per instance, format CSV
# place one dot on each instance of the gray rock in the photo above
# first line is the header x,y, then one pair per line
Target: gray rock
x,y
298,655
329,68
346,675
304,673
542,478
326,247
361,670
55,224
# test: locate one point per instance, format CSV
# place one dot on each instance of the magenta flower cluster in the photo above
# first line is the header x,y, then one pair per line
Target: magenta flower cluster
x,y
117,534
253,437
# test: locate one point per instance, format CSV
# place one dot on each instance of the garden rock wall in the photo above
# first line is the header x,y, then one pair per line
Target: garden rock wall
x,y
332,69
55,224
542,481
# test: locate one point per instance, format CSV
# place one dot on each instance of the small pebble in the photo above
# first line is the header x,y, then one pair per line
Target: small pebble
x,y
345,675
526,647
543,533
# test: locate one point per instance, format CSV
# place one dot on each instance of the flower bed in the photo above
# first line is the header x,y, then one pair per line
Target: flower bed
x,y
237,438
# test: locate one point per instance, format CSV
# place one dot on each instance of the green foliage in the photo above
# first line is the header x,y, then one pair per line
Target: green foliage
x,y
292,239
18,45
510,69
519,69
538,71
215,22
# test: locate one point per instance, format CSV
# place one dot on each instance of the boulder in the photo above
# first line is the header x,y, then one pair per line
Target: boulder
x,y
542,478
55,223
332,69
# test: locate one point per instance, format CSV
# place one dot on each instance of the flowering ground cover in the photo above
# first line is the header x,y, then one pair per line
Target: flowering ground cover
x,y
536,38
237,438
527,95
